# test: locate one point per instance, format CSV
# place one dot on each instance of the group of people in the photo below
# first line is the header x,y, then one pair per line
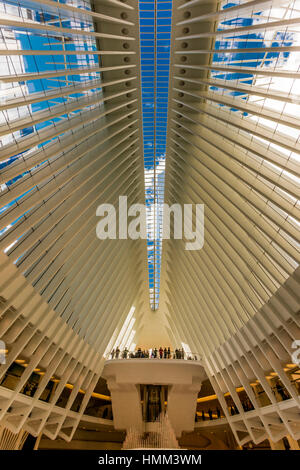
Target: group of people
x,y
246,404
161,353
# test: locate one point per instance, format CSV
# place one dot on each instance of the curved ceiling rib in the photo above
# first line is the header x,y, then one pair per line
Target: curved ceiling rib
x,y
70,141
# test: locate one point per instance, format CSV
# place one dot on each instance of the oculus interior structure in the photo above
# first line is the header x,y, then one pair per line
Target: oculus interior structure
x,y
137,342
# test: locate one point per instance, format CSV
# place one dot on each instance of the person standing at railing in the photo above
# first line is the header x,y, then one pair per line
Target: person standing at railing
x,y
182,353
117,353
112,354
161,351
165,353
169,353
280,390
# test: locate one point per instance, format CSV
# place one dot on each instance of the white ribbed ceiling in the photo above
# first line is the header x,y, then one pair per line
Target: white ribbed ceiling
x,y
224,132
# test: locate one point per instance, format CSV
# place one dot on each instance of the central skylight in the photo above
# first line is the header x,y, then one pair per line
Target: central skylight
x,y
155,36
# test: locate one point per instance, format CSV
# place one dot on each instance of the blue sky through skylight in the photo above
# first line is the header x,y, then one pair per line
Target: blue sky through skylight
x,y
155,37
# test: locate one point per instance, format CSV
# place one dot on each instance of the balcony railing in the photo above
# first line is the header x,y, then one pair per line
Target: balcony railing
x,y
177,354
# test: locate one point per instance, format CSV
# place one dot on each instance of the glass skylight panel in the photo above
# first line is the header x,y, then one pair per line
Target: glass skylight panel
x,y
155,40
